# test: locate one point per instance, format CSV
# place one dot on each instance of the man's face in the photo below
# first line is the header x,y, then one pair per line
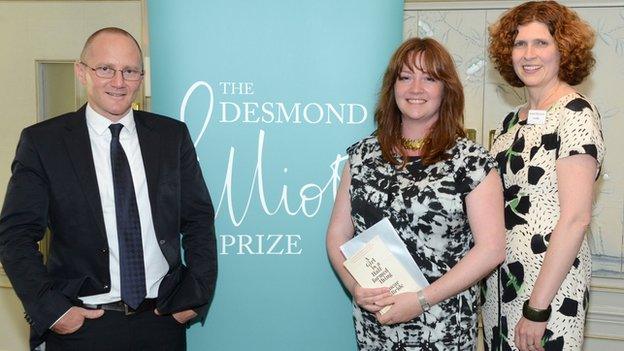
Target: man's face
x,y
110,97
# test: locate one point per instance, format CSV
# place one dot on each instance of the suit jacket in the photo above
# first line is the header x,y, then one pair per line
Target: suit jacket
x,y
54,185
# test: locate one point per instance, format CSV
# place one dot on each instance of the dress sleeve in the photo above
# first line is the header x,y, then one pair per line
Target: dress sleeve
x,y
475,165
357,154
580,131
354,154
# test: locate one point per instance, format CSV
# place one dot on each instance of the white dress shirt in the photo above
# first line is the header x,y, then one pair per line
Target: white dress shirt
x,y
156,265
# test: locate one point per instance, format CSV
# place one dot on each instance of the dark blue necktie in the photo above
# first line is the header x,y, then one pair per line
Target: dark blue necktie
x,y
131,264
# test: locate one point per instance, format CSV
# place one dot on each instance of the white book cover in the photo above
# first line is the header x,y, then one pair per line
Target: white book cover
x,y
389,236
374,266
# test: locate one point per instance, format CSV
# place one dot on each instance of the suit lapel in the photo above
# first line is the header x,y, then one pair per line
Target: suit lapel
x,y
149,139
79,150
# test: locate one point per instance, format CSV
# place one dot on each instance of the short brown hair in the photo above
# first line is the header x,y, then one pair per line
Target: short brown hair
x,y
108,30
574,38
437,62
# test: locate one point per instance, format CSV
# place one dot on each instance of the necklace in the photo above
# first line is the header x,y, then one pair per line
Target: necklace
x,y
412,144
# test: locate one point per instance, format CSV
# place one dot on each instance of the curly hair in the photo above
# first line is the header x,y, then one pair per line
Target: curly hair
x,y
574,37
438,63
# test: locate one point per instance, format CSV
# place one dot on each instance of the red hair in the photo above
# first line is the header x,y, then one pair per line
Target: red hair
x,y
574,38
436,61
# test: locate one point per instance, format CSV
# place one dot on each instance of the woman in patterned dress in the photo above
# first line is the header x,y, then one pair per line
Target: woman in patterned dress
x,y
549,153
443,196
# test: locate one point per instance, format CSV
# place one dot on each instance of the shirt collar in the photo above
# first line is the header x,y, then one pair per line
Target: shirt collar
x,y
99,124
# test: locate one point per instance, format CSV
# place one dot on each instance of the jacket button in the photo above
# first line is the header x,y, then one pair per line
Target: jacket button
x,y
104,251
161,242
106,286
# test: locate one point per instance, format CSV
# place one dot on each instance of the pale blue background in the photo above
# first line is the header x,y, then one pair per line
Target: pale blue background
x,y
322,51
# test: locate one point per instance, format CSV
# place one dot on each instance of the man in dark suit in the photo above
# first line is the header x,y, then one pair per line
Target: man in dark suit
x,y
117,189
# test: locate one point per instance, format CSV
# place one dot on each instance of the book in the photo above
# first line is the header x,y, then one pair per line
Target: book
x,y
393,242
374,266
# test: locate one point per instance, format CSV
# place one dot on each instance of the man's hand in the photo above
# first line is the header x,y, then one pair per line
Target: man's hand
x,y
182,316
74,318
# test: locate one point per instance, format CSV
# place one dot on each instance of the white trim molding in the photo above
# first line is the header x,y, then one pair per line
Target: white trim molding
x,y
605,318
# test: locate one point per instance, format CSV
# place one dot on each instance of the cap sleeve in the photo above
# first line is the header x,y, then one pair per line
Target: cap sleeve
x,y
580,131
475,166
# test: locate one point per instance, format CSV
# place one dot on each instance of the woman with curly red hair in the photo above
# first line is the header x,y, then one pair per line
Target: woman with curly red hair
x,y
549,153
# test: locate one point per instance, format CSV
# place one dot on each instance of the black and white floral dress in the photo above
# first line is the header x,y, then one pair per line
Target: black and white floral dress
x,y
427,207
526,155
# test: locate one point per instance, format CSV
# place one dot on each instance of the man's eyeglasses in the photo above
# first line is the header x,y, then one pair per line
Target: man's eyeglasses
x,y
107,72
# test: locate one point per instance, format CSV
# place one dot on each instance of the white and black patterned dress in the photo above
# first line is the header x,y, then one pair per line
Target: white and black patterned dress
x,y
526,155
427,207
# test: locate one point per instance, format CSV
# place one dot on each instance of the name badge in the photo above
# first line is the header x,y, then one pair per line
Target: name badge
x,y
536,117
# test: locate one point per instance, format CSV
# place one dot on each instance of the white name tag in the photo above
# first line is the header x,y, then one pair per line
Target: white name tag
x,y
536,117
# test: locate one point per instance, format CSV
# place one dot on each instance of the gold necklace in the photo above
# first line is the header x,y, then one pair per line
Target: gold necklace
x,y
412,144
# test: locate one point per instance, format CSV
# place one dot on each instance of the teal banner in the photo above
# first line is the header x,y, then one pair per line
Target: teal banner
x,y
273,92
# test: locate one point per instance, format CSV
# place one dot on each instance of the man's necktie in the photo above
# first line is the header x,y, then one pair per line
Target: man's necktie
x,y
131,264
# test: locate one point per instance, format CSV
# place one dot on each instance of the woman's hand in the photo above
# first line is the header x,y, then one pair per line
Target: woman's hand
x,y
405,307
528,335
367,298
